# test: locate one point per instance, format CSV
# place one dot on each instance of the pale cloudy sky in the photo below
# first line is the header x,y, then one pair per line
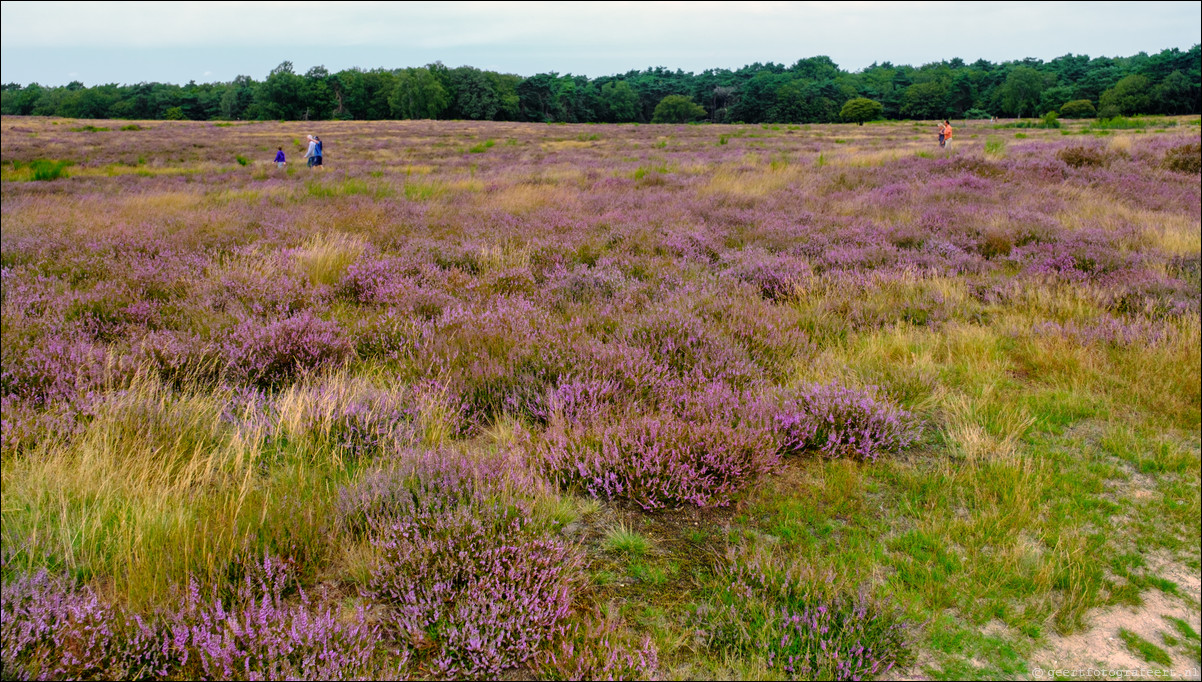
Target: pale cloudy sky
x,y
54,43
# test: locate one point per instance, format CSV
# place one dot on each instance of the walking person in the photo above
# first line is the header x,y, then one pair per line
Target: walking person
x,y
317,151
311,152
280,162
941,138
947,135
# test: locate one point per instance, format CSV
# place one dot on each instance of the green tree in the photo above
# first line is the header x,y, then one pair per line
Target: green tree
x,y
317,99
1174,95
925,101
418,94
619,102
279,97
862,109
474,95
677,109
1131,95
1021,92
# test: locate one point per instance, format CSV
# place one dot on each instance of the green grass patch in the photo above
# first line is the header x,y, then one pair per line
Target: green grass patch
x,y
1132,123
1144,649
37,170
623,540
482,147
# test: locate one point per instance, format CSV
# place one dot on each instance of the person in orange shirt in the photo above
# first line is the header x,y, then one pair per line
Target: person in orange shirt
x,y
947,135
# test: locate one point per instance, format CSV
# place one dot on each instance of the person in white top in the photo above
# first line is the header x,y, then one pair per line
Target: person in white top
x,y
311,154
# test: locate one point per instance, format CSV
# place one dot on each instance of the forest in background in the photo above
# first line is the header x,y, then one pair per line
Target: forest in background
x,y
813,90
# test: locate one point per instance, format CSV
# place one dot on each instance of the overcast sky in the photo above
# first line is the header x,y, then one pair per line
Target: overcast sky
x,y
53,43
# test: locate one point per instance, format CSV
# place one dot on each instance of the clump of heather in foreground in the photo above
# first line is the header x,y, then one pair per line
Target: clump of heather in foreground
x,y
701,449
55,630
467,584
801,625
837,421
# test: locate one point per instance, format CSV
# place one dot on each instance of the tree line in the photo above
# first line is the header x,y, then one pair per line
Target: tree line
x,y
813,90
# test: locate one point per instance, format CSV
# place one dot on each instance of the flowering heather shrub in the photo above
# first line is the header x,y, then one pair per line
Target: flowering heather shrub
x,y
402,284
416,483
1108,330
804,626
267,288
837,422
683,343
51,368
659,459
466,582
50,630
773,275
23,425
53,630
473,589
582,283
268,636
598,651
277,352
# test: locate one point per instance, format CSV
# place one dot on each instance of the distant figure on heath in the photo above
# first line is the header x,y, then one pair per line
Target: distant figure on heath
x,y
279,158
947,135
317,151
941,138
311,152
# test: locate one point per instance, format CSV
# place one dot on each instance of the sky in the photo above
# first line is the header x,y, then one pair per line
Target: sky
x,y
54,43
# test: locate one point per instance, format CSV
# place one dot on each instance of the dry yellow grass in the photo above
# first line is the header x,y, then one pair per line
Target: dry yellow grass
x,y
1174,233
324,257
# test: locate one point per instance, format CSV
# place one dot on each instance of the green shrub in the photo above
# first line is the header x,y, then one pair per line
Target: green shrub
x,y
242,160
1078,108
977,114
861,109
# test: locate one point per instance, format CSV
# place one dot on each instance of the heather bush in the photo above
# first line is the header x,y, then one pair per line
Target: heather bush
x,y
700,451
472,592
681,342
1080,156
802,625
415,483
598,650
277,352
269,634
1186,158
52,368
466,581
54,630
837,421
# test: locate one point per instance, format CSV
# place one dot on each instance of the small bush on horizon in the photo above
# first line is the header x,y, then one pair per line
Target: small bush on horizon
x,y
1078,108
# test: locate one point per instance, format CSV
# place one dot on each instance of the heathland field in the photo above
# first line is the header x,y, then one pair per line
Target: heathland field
x,y
482,400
